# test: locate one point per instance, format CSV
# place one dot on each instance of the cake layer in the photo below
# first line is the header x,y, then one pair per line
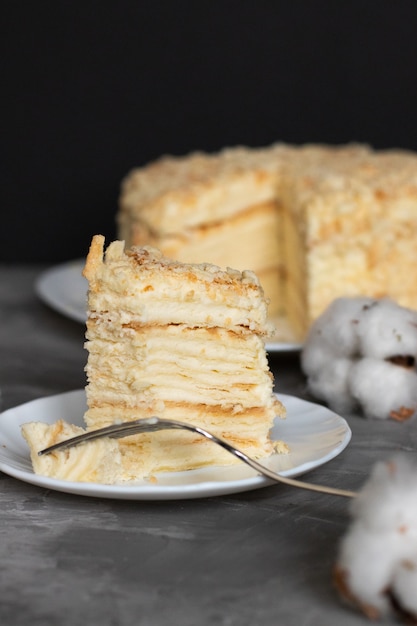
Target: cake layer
x,y
174,194
143,287
176,364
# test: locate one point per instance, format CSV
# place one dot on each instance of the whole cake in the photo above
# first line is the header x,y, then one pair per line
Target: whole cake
x,y
313,222
180,341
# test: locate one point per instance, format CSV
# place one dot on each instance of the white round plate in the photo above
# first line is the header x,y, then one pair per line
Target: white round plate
x,y
64,289
314,434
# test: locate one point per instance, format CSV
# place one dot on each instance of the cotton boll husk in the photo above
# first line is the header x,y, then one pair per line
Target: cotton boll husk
x,y
386,330
330,382
404,585
381,387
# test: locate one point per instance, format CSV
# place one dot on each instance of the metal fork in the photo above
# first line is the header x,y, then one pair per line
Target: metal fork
x,y
153,424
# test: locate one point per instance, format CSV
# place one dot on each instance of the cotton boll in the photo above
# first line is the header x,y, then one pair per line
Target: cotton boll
x,y
363,351
383,389
386,330
376,567
364,569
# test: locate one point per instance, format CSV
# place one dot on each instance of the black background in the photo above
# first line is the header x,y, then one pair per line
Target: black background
x,y
92,88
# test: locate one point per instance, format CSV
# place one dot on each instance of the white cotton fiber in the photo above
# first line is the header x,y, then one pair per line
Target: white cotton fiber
x,y
387,329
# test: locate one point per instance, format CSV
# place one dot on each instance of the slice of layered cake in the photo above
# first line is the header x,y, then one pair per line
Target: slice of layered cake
x,y
181,341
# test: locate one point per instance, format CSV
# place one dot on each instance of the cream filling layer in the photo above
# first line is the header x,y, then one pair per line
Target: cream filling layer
x,y
160,308
176,364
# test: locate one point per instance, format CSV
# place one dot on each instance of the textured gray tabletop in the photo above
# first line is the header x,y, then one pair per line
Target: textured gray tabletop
x,y
255,558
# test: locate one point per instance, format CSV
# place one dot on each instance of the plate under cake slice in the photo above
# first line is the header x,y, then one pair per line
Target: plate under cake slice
x,y
181,341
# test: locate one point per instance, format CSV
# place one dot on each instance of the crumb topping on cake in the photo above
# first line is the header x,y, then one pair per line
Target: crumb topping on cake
x,y
172,292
